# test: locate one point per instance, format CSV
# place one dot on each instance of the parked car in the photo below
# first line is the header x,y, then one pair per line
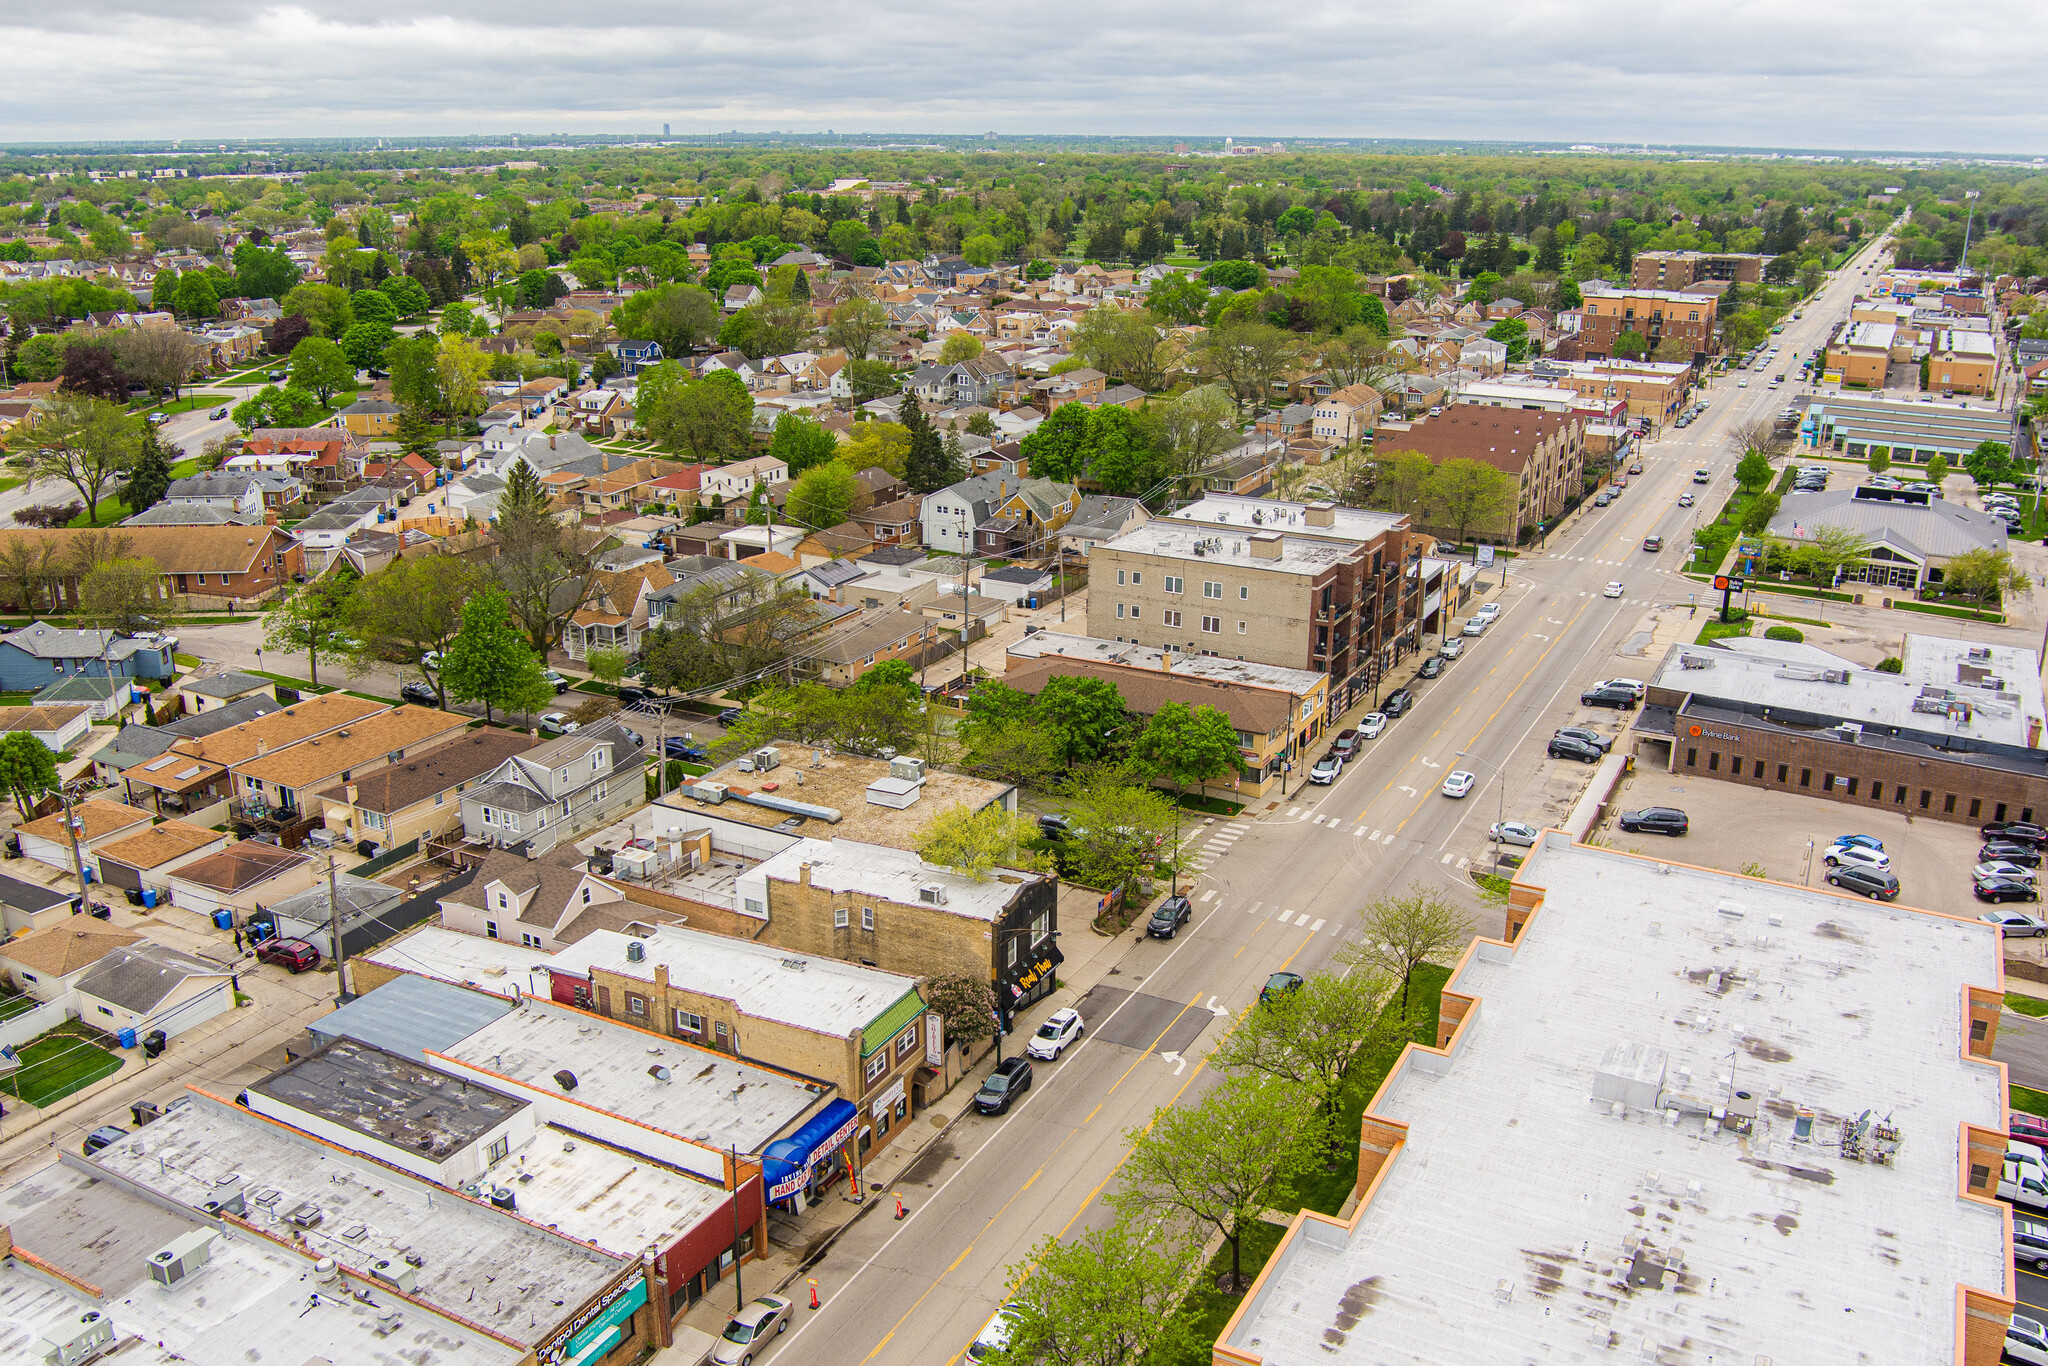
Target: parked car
x,y
2029,1236
1602,499
431,660
1452,648
1634,685
1431,667
1061,1028
1398,701
1862,841
745,1331
1054,827
2032,1128
1458,783
1168,916
632,697
1515,832
2004,889
1564,747
219,414
994,1336
557,723
2016,924
1655,820
676,747
555,680
1325,770
418,693
1875,883
2026,855
1477,626
295,954
1489,610
1703,475
1011,1079
1371,724
1605,696
729,717
102,1137
1636,468
1346,743
1587,735
1839,854
2018,832
2001,868
1278,985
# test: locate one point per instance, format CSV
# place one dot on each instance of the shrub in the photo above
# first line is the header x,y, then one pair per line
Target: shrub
x,y
1891,664
49,515
1784,633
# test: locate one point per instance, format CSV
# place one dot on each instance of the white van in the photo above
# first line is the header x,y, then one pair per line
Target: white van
x,y
994,1335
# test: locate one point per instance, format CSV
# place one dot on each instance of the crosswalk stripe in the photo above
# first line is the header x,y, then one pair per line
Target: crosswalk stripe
x,y
1447,858
1209,895
1374,837
1319,820
1294,810
1359,831
1463,865
1253,909
1315,928
1284,913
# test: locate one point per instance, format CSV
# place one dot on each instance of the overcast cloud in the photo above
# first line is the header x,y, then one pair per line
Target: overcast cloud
x,y
1876,74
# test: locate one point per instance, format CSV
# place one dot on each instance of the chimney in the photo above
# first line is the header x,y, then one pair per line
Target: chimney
x,y
1166,660
1320,514
551,443
351,794
661,975
262,747
1265,545
803,874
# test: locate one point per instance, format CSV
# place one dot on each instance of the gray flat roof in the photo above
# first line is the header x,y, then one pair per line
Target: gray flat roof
x,y
390,1098
1174,539
1512,1214
409,1014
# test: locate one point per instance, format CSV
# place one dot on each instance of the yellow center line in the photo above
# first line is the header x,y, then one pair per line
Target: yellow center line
x,y
937,1281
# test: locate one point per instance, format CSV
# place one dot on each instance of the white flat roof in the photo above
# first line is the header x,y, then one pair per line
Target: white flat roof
x,y
822,994
1170,538
598,1195
1961,341
1864,696
890,875
1056,645
468,960
1236,509
708,1097
204,1150
1872,336
1946,661
1507,1225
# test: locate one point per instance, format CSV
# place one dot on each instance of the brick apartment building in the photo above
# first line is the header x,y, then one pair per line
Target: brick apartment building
x,y
1302,585
1656,315
1673,270
1545,453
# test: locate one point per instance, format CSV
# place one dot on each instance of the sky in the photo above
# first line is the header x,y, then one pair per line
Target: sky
x,y
1889,74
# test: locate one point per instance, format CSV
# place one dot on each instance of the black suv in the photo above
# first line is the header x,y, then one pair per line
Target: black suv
x,y
1398,701
1875,883
1011,1079
1565,747
1054,827
1624,698
2016,832
2026,855
419,694
1168,916
1655,820
1587,736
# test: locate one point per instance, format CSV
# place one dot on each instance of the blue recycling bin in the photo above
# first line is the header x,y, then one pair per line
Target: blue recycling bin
x,y
127,1037
149,897
88,871
223,920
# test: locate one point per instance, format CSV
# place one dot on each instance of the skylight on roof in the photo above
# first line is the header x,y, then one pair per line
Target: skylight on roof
x,y
191,772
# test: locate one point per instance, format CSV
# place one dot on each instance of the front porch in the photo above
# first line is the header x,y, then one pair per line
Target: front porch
x,y
587,631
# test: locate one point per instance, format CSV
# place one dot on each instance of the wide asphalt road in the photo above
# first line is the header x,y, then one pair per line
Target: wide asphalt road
x,y
1283,891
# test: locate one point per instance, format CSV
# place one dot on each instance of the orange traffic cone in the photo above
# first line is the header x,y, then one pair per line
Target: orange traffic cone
x,y
814,1293
900,1211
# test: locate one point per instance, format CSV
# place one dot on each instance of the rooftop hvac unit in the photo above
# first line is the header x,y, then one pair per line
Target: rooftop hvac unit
x,y
932,894
502,1197
397,1275
907,766
1834,676
77,1339
181,1256
305,1214
636,952
232,1203
767,757
566,1079
714,793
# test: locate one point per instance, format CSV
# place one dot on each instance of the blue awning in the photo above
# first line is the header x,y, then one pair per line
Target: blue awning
x,y
787,1162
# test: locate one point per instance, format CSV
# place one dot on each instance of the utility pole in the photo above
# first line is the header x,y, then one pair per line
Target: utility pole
x,y
334,931
740,1302
71,829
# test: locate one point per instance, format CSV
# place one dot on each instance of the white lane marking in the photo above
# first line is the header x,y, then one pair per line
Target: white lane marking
x,y
1447,858
1427,764
1409,790
1315,928
1359,831
1253,909
1374,837
1209,895
1321,819
1463,865
1284,914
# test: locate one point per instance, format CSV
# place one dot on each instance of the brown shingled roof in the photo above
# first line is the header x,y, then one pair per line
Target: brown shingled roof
x,y
98,819
62,949
396,786
1502,437
159,845
361,744
285,726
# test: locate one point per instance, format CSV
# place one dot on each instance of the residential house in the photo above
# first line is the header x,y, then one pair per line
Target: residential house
x,y
215,561
94,821
47,963
973,381
149,987
244,491
636,355
894,523
996,514
101,697
1100,517
145,861
1347,416
854,644
738,479
847,541
574,783
615,610
36,655
241,878
532,900
284,784
370,418
1655,315
30,906
59,728
1288,423
418,797
1018,585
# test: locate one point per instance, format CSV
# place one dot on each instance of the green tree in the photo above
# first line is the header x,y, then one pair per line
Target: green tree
x,y
315,619
1485,285
28,769
197,297
871,379
87,443
413,606
1937,468
1825,551
324,306
607,665
1086,716
1756,518
407,295
965,1003
1466,493
959,346
1058,447
149,478
926,467
1753,471
823,497
1187,747
319,368
855,326
1512,333
1880,459
1175,297
1400,932
1308,1037
373,306
264,272
1224,1160
122,595
365,344
488,660
1117,832
271,406
801,444
460,320
710,419
524,495
972,842
1985,576
1631,345
1991,464
414,362
1108,1298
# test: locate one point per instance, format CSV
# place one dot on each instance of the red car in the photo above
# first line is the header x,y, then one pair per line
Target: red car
x,y
2032,1128
295,954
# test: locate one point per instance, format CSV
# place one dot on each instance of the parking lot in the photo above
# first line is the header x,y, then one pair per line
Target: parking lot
x,y
1735,826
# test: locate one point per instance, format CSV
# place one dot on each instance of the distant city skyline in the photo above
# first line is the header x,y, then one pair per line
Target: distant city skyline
x,y
1742,76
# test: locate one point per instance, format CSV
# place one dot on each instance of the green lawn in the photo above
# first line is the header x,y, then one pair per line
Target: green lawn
x,y
58,1063
2032,1101
1206,1309
12,1006
2026,1005
1718,629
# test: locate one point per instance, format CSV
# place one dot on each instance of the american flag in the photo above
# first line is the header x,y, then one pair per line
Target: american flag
x,y
1799,531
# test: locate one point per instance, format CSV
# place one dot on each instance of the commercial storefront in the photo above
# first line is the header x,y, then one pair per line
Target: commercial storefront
x,y
802,1167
